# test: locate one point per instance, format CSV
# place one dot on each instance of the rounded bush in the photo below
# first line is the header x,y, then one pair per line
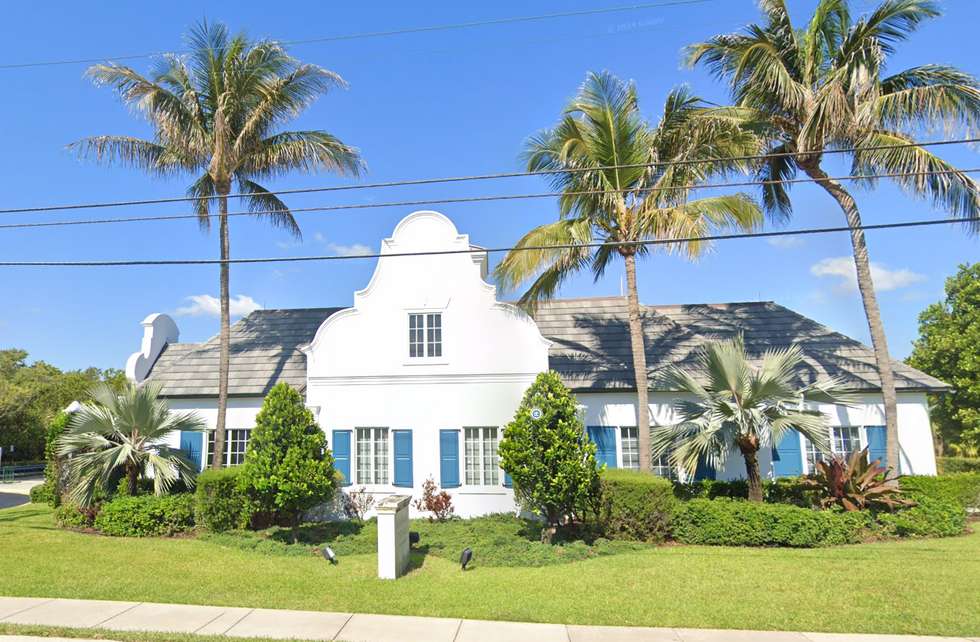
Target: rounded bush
x,y
45,494
221,503
68,516
635,506
147,515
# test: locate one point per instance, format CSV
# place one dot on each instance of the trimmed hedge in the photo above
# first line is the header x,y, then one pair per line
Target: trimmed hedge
x,y
960,489
68,516
636,506
950,465
931,518
781,491
147,515
723,522
221,504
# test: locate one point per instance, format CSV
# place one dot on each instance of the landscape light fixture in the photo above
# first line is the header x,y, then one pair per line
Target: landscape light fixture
x,y
413,538
465,558
329,555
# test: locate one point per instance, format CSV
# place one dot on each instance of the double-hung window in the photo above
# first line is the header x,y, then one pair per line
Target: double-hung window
x,y
630,445
236,442
372,455
482,461
843,441
425,335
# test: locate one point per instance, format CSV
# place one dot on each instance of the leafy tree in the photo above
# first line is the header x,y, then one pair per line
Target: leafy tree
x,y
125,431
550,460
217,113
948,348
738,406
610,166
823,87
287,468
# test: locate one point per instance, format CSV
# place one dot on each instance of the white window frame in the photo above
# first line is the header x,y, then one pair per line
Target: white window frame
x,y
237,437
811,455
661,465
426,338
481,465
377,453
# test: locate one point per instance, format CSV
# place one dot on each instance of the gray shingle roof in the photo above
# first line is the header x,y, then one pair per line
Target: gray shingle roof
x,y
591,346
592,350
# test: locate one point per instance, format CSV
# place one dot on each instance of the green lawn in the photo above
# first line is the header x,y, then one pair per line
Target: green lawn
x,y
914,587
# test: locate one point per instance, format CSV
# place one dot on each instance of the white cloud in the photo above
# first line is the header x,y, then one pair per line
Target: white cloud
x,y
348,250
35,310
207,305
319,237
785,242
842,268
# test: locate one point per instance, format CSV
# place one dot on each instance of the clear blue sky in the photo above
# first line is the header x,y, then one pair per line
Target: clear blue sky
x,y
423,105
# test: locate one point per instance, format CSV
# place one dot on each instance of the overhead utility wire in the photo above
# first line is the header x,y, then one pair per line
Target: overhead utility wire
x,y
374,34
568,246
480,199
478,177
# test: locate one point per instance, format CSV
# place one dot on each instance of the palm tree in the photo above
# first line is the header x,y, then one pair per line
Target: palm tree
x,y
822,88
125,431
619,188
738,405
217,112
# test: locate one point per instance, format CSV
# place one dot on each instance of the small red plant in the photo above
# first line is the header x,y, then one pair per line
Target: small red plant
x,y
439,503
357,502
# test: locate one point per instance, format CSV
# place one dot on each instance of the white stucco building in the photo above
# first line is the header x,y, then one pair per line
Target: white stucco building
x,y
420,375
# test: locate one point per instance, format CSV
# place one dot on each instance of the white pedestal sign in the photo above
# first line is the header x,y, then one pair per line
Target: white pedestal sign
x,y
393,543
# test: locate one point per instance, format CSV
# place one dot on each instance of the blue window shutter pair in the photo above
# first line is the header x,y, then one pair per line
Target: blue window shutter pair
x,y
449,458
341,454
604,438
192,443
402,447
787,456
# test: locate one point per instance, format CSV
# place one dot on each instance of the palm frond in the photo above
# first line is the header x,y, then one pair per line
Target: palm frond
x,y
269,207
928,98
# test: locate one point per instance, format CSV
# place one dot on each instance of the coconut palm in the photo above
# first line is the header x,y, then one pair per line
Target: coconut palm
x,y
125,431
822,87
619,189
739,405
217,113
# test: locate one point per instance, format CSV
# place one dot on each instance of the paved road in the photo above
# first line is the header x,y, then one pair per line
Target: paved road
x,y
9,500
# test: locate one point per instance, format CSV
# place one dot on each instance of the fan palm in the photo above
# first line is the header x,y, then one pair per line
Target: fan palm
x,y
217,112
823,87
126,431
620,189
736,405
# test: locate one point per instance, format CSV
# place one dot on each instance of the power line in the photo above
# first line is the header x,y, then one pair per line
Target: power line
x,y
569,246
457,179
374,34
481,199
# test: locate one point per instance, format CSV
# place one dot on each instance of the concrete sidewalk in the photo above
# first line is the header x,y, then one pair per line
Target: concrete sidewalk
x,y
312,625
22,486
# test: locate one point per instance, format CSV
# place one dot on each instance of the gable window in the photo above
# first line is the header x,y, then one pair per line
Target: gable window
x,y
482,462
425,335
372,455
236,442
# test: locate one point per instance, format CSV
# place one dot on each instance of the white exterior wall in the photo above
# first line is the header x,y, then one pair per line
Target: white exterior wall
x,y
240,413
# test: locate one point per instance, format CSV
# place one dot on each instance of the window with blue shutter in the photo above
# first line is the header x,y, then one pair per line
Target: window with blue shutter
x,y
704,471
604,438
507,481
449,458
787,456
877,441
402,445
341,454
192,443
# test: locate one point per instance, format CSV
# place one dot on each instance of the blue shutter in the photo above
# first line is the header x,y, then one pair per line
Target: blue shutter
x,y
402,445
449,458
877,439
341,454
508,482
787,457
604,438
704,471
192,443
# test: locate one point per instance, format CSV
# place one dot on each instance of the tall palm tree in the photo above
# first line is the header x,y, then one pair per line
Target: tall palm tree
x,y
737,405
823,87
619,186
125,431
218,112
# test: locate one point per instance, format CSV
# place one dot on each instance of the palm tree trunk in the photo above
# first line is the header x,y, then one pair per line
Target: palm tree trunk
x,y
132,479
639,367
755,476
866,286
225,340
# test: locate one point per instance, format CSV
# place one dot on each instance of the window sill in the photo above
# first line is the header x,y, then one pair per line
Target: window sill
x,y
427,361
483,490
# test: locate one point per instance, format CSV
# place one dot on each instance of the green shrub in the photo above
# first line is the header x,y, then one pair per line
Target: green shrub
x,y
950,465
960,489
45,494
635,506
724,522
68,516
221,503
146,515
931,518
781,491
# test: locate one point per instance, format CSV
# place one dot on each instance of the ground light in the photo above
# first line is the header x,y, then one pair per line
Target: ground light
x,y
465,558
413,537
329,555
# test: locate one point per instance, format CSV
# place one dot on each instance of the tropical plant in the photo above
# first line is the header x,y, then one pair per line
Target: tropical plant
x,y
125,431
549,458
739,404
853,483
218,112
821,88
435,501
624,183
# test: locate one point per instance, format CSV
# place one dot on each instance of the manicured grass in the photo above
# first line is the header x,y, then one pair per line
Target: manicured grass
x,y
918,587
118,636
